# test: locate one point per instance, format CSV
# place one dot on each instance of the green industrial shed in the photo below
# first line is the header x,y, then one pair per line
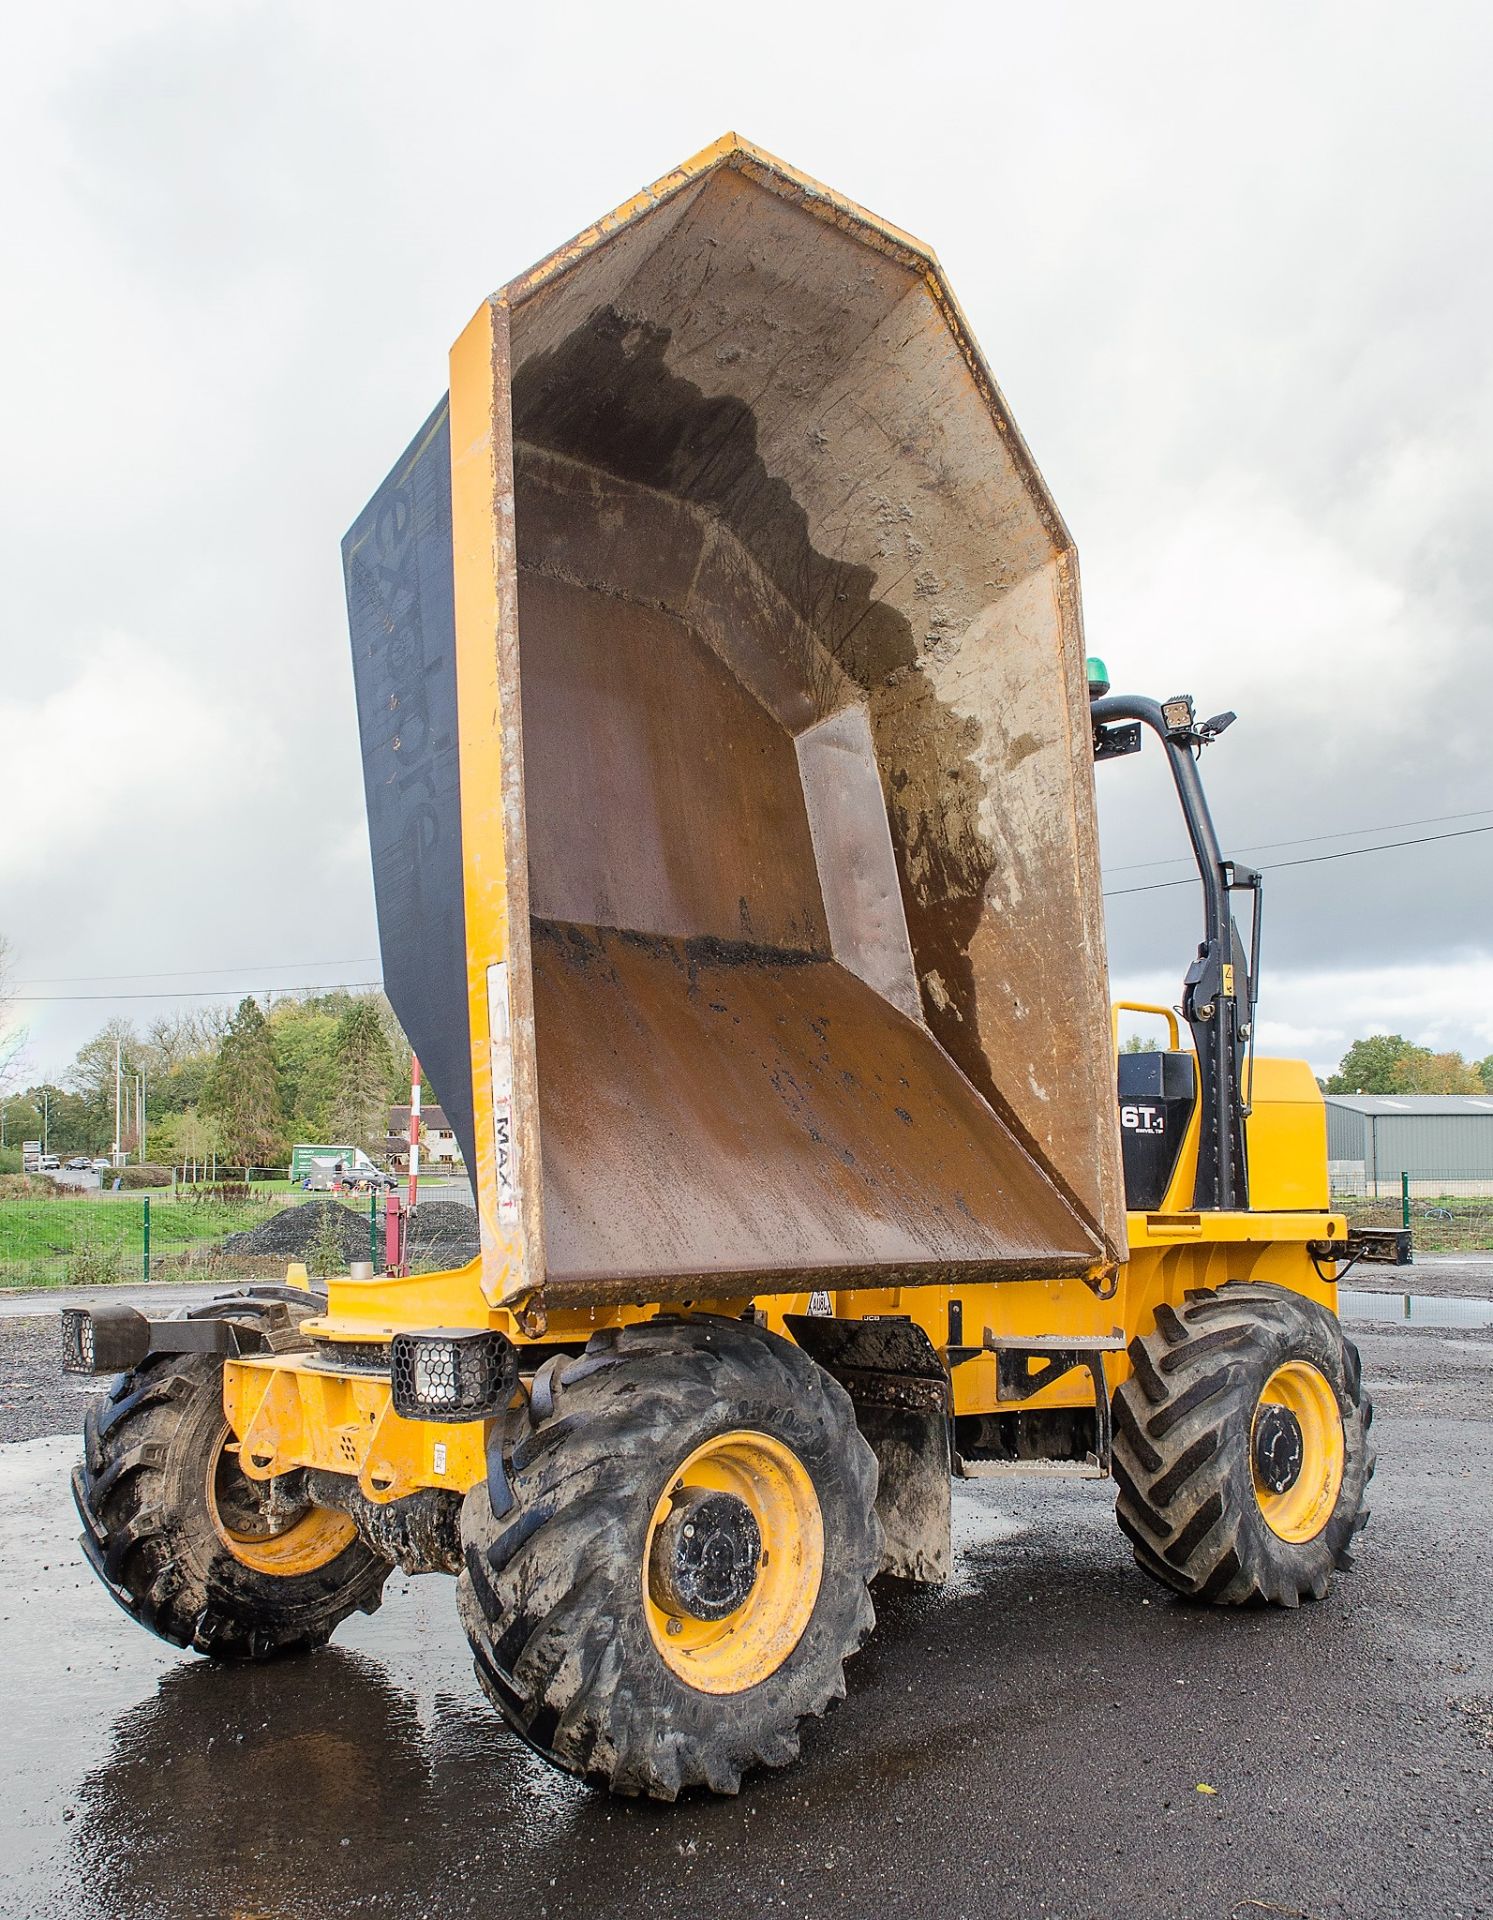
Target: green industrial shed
x,y
1443,1141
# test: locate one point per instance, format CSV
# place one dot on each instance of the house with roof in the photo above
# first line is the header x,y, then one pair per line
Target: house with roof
x,y
437,1140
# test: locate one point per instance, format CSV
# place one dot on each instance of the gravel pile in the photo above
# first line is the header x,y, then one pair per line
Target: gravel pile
x,y
290,1234
445,1234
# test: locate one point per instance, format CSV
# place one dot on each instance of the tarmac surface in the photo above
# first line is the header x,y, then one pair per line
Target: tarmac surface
x,y
1034,1738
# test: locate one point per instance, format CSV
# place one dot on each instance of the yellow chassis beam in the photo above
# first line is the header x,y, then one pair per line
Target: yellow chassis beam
x,y
292,1410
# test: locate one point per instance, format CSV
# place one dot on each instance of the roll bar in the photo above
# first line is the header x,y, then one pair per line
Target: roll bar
x,y
1220,1015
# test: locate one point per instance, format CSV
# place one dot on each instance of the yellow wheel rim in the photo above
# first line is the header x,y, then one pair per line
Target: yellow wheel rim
x,y
1300,1511
746,1645
306,1541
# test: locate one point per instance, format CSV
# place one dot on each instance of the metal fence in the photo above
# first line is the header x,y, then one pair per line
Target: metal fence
x,y
1445,1212
215,1231
52,1239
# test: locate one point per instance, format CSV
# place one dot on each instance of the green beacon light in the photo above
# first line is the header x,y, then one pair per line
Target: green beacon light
x,y
1098,677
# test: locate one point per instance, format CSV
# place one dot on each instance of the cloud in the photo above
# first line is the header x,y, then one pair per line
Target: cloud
x,y
1361,695
121,761
1317,1015
1222,265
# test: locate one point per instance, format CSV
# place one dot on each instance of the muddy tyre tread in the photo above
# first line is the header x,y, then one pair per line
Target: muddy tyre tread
x,y
1181,1450
560,1647
157,1558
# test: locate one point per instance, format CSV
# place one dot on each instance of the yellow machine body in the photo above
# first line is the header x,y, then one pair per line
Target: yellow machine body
x,y
290,1412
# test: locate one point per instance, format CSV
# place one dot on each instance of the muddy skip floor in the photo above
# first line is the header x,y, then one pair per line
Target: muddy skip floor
x,y
1031,1740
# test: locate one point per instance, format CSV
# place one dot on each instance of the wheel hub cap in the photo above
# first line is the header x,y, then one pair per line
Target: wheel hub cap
x,y
705,1555
1298,1450
1279,1449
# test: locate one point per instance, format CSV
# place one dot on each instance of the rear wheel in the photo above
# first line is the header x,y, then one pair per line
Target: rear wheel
x,y
1241,1447
185,1541
683,1569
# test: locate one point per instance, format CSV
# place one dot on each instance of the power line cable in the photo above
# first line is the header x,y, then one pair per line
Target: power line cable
x,y
363,986
206,993
1342,833
1311,860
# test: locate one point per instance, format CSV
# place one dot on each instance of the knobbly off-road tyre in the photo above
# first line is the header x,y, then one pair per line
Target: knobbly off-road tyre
x,y
557,1597
185,1558
1189,1450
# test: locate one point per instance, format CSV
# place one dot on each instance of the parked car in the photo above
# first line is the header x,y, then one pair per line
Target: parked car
x,y
101,1165
49,1163
80,1164
368,1180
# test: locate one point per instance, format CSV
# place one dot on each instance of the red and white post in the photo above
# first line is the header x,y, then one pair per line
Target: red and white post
x,y
414,1130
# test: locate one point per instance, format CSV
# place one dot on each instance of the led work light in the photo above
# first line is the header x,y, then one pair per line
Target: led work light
x,y
452,1373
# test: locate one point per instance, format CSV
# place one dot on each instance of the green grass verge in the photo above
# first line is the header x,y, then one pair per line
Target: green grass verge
x,y
101,1240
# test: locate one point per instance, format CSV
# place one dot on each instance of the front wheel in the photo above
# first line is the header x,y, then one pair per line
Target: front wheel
x,y
681,1570
185,1541
1241,1447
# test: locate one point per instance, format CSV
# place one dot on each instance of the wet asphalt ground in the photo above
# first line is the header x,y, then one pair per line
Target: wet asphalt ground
x,y
1032,1739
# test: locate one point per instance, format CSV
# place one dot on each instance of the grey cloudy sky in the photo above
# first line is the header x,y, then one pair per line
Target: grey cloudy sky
x,y
1230,265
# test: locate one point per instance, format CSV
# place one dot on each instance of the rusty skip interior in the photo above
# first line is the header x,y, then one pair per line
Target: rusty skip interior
x,y
736,1074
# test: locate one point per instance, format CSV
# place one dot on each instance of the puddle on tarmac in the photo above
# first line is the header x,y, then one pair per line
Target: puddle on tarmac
x,y
1414,1309
145,1781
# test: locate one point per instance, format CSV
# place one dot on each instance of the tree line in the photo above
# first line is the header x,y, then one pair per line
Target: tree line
x,y
1389,1063
244,1086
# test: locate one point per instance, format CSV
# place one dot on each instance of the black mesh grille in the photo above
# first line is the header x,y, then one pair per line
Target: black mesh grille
x,y
77,1340
452,1373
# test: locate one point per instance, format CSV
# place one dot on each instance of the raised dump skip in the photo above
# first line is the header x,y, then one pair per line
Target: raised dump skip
x,y
773,956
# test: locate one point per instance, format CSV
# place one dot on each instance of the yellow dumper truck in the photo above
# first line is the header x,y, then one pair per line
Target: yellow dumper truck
x,y
729,744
